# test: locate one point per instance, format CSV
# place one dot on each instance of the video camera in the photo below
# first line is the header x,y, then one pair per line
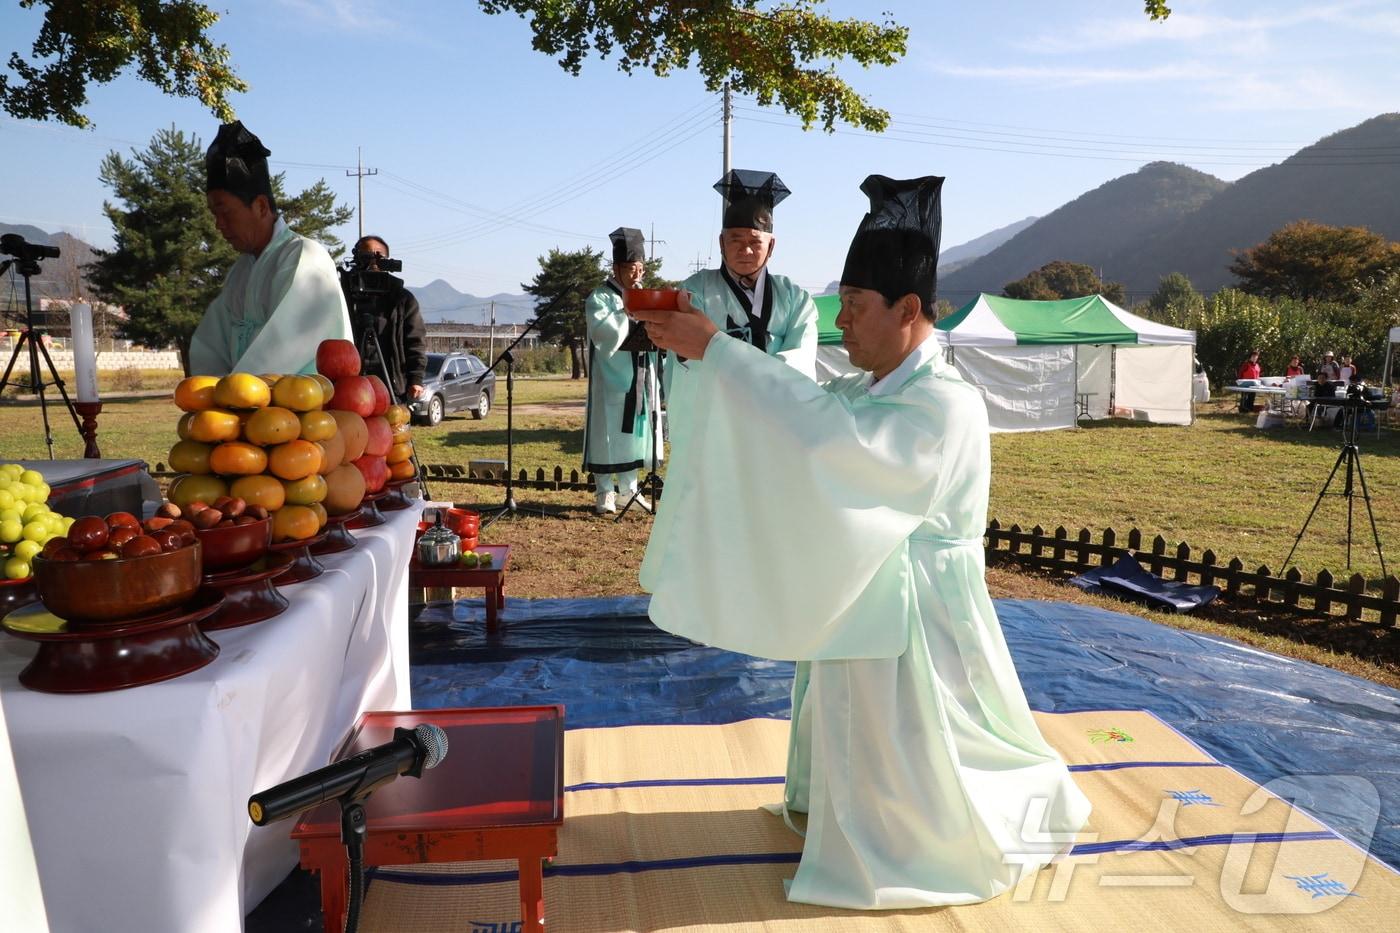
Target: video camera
x,y
12,244
363,261
369,274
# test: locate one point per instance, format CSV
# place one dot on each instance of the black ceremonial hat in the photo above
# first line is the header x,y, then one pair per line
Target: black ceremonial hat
x,y
751,196
237,163
628,245
895,249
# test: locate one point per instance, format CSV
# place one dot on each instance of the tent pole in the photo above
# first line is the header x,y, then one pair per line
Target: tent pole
x,y
1112,379
1076,386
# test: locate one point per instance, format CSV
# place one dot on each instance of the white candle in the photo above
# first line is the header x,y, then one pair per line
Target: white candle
x,y
84,353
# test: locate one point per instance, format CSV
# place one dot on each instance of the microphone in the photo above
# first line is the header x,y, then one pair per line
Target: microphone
x,y
412,750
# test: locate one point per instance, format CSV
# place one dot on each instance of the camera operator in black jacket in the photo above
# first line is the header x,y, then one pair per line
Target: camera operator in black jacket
x,y
396,319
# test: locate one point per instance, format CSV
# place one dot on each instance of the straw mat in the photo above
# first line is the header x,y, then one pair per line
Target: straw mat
x,y
663,831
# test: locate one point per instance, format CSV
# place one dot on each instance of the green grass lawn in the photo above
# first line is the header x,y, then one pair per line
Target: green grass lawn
x,y
1219,484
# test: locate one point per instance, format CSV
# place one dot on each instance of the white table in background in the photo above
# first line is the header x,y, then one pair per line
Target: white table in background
x,y
137,798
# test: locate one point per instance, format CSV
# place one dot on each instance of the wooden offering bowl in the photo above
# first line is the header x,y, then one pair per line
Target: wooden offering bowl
x,y
110,592
230,547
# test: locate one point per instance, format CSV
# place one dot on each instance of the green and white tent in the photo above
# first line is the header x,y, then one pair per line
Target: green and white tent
x,y
1043,365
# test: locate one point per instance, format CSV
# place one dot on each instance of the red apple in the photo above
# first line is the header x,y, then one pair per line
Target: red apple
x,y
140,546
374,470
381,436
167,539
117,519
120,535
381,395
88,533
353,393
336,359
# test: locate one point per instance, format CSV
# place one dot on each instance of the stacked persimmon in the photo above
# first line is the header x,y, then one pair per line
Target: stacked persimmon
x,y
303,447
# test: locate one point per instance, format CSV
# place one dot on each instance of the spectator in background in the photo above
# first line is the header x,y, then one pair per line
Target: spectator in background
x,y
1295,368
1348,372
1329,371
1249,369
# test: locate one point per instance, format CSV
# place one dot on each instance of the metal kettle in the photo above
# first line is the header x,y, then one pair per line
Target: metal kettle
x,y
439,545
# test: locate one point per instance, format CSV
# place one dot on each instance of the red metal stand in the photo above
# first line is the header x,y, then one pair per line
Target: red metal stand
x,y
458,811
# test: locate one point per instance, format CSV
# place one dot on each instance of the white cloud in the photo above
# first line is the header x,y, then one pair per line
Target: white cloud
x,y
346,14
1238,33
1293,90
1081,75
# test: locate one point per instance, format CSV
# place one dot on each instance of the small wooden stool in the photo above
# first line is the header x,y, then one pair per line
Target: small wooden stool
x,y
459,811
492,579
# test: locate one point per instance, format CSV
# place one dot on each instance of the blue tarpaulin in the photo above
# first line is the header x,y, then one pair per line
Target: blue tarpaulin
x,y
1128,580
1266,716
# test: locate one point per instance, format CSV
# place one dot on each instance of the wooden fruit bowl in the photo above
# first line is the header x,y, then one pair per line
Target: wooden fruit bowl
x,y
110,592
233,546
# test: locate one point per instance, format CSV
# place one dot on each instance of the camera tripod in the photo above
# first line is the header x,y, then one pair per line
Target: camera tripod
x,y
1351,456
28,266
362,301
651,484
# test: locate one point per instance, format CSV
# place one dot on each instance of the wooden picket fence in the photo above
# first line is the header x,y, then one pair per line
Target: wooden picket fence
x,y
1057,551
456,473
1325,596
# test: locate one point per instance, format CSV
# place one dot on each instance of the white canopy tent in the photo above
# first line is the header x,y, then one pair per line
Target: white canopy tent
x,y
1042,364
1390,345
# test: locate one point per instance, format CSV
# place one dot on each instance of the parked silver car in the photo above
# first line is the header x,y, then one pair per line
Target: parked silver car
x,y
450,384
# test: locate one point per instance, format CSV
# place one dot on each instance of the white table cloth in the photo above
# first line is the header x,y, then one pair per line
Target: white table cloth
x,y
137,798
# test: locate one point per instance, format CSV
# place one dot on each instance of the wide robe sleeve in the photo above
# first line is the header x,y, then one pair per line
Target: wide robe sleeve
x,y
800,343
607,327
307,306
209,347
812,562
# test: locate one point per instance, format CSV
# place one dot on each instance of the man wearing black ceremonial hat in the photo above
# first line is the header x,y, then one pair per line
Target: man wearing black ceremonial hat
x,y
742,297
617,438
282,297
912,750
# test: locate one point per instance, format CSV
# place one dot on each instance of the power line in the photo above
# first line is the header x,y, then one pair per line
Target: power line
x,y
941,140
495,218
1090,136
658,147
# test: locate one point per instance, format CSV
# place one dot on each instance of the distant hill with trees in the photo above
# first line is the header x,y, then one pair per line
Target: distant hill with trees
x,y
1348,179
1167,218
1090,229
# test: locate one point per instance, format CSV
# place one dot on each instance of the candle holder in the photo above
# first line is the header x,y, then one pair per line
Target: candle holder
x,y
89,412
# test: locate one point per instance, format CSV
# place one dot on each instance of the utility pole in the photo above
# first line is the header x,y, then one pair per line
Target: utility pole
x,y
359,176
491,355
698,264
728,121
653,241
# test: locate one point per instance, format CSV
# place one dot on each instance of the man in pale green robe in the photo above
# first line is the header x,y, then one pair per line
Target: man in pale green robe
x,y
282,297
912,749
618,436
742,297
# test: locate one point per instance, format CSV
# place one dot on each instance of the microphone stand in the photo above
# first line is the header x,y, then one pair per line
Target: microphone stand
x,y
509,507
353,829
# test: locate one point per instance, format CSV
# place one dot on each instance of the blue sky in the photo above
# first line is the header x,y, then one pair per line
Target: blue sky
x,y
489,154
